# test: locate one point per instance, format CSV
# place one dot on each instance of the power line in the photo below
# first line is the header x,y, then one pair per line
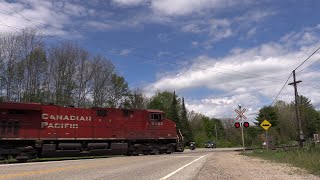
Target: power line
x,y
185,60
281,89
174,63
308,66
251,75
308,58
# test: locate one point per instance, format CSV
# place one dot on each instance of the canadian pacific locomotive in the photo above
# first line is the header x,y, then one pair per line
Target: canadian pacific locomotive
x,y
30,130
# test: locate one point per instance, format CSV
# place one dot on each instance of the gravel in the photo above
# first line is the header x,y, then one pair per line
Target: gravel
x,y
232,165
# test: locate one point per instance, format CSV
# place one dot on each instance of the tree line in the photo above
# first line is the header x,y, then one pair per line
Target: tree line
x,y
282,116
63,74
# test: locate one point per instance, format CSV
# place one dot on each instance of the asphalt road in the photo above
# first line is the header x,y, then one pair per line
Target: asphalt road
x,y
176,166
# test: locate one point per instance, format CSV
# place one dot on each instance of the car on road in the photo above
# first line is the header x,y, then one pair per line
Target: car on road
x,y
210,144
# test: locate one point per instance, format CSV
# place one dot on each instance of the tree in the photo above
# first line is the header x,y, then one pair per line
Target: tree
x,y
135,100
64,62
161,101
118,91
309,117
103,70
186,128
267,113
174,111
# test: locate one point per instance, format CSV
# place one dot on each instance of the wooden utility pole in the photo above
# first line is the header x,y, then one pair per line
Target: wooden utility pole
x,y
215,127
294,83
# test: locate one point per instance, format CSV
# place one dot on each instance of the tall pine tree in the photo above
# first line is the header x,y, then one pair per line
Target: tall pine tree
x,y
186,128
174,114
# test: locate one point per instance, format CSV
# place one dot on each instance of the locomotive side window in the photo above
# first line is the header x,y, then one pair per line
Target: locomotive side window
x,y
101,112
155,117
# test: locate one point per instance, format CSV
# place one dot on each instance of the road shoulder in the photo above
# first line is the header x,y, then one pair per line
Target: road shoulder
x,y
232,165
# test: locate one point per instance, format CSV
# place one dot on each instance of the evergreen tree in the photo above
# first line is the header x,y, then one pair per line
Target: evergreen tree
x,y
173,113
186,128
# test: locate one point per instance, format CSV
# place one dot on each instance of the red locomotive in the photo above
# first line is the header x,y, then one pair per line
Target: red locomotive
x,y
30,130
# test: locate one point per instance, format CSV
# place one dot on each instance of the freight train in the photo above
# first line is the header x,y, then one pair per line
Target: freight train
x,y
31,130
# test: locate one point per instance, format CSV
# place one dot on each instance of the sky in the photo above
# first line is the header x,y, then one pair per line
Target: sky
x,y
214,53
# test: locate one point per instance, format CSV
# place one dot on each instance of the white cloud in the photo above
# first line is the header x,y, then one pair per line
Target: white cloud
x,y
248,76
36,14
252,32
129,2
163,37
125,52
186,7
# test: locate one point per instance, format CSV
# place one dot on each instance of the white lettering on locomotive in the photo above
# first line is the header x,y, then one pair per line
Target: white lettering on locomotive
x,y
65,117
156,123
59,125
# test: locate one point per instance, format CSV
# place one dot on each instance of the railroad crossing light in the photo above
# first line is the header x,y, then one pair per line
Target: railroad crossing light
x,y
246,124
237,125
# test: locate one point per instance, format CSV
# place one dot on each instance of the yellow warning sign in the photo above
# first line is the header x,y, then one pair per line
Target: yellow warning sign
x,y
265,125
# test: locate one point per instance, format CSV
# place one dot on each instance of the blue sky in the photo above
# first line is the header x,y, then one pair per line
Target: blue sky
x,y
215,53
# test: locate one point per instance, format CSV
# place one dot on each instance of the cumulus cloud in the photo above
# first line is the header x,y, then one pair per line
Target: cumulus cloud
x,y
18,15
251,77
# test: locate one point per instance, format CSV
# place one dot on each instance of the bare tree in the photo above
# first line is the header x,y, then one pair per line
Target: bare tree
x,y
103,70
64,61
84,74
9,51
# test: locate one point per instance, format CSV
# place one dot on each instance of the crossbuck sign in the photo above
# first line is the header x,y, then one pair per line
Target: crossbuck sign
x,y
240,114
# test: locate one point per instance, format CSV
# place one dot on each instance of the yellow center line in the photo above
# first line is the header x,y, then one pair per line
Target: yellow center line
x,y
66,168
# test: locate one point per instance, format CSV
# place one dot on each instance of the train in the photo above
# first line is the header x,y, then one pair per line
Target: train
x,y
34,130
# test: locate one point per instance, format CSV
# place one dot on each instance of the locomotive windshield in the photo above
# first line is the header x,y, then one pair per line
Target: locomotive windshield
x,y
155,116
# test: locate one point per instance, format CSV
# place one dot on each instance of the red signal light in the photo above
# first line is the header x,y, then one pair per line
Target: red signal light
x,y
246,124
237,125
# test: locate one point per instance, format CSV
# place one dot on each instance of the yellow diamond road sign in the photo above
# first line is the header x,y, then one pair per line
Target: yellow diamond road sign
x,y
265,125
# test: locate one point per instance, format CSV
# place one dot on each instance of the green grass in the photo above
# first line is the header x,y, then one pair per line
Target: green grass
x,y
307,158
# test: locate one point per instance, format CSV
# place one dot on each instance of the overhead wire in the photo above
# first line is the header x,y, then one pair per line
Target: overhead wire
x,y
308,66
252,75
308,58
185,60
175,63
281,89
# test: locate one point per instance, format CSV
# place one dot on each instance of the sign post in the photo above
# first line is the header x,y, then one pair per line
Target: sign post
x,y
240,116
266,125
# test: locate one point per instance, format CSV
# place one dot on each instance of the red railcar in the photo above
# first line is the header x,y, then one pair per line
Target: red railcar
x,y
28,130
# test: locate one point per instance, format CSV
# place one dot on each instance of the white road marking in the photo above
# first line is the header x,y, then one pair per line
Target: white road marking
x,y
169,175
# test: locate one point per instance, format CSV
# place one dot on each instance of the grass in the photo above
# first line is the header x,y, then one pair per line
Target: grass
x,y
307,158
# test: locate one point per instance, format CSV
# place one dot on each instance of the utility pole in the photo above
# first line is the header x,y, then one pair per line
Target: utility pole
x,y
215,127
294,83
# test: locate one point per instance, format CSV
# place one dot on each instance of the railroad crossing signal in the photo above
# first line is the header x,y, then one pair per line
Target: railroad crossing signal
x,y
265,125
240,114
237,124
246,124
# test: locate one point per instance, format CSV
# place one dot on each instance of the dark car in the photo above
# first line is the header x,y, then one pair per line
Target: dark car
x,y
210,144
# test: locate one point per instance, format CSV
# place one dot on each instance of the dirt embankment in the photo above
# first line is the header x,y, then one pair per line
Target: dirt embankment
x,y
231,165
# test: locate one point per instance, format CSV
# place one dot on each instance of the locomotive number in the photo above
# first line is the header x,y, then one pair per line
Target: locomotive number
x,y
156,123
